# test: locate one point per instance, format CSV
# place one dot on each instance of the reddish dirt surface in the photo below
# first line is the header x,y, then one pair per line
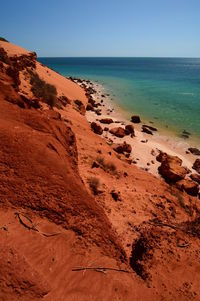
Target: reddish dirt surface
x,y
51,221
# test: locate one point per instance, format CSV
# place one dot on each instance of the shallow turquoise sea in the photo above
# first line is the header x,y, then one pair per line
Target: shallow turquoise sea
x,y
165,91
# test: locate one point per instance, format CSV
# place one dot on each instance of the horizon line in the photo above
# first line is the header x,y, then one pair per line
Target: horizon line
x,y
156,57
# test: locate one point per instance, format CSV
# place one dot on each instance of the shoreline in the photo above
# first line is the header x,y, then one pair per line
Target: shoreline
x,y
145,147
167,132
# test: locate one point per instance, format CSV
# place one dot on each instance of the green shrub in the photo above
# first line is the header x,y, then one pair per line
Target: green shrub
x,y
2,39
41,89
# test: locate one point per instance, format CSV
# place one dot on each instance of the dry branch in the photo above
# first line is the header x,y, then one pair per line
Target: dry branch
x,y
99,269
32,227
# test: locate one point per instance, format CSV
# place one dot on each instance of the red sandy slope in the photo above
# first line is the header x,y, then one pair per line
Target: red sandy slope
x,y
50,222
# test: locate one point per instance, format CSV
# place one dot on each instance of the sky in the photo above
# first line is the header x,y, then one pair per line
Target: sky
x,y
119,28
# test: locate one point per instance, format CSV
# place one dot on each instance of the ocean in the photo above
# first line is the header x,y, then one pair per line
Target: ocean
x,y
164,91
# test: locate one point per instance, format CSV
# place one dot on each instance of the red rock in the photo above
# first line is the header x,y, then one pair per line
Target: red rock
x,y
64,100
146,130
196,165
172,172
164,156
95,164
189,186
52,114
89,107
195,151
4,57
97,129
80,106
171,168
91,101
123,148
106,120
135,119
118,132
151,128
195,177
115,195
14,74
129,129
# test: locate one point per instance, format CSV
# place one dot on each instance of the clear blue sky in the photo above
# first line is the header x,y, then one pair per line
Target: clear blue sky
x,y
103,27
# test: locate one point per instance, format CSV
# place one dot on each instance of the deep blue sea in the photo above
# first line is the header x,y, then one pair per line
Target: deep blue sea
x,y
163,90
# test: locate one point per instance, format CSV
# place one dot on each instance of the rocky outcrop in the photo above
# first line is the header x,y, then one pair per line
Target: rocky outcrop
x,y
97,129
196,165
13,72
189,186
135,119
118,132
4,56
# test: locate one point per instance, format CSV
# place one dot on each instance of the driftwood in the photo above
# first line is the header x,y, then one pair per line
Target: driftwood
x,y
99,269
32,226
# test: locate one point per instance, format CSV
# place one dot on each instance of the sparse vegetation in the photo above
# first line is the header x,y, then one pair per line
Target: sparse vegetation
x,y
94,184
187,206
3,39
43,90
106,166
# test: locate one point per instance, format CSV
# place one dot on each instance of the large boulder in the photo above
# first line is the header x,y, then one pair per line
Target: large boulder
x,y
135,119
118,132
97,129
170,168
172,172
196,165
162,156
189,186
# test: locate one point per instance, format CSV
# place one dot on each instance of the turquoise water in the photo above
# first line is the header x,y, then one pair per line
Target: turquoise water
x,y
163,90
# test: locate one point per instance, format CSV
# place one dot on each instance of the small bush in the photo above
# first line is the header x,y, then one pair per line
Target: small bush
x,y
2,39
101,161
94,185
106,166
111,167
43,90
